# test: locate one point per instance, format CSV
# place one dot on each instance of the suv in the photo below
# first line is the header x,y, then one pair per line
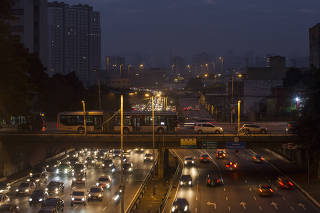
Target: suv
x,y
95,193
213,179
186,180
26,188
38,196
252,128
207,128
55,188
104,182
78,196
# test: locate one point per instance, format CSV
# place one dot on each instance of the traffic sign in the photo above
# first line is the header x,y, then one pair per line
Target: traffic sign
x,y
188,142
210,145
234,145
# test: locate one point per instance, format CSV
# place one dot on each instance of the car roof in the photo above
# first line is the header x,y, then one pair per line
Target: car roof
x,y
181,201
186,176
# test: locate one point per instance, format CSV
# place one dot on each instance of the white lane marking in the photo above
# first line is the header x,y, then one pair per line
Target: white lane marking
x,y
250,189
283,198
227,198
229,208
243,204
254,197
196,197
224,189
196,209
275,205
260,208
212,204
302,206
292,208
104,209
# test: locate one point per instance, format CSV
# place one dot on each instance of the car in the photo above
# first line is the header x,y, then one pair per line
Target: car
x,y
55,188
180,205
285,183
118,194
52,166
64,169
107,163
90,161
79,168
4,187
231,165
252,128
186,180
204,158
128,167
104,182
26,188
148,157
291,128
37,170
213,179
38,178
72,161
95,193
188,161
78,180
116,153
220,154
265,190
48,210
205,127
4,199
257,158
9,208
38,196
78,196
139,150
57,203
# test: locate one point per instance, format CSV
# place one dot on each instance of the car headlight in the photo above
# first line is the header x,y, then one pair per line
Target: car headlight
x,y
37,180
92,161
83,179
30,199
1,190
82,199
27,190
130,169
74,179
66,171
97,184
100,195
57,171
151,158
173,208
85,161
181,182
186,208
110,164
185,162
72,198
113,170
189,182
145,157
17,190
103,164
193,161
30,174
28,179
89,195
108,185
40,200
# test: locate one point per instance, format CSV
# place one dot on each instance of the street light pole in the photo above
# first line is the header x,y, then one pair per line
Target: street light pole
x,y
121,178
239,115
231,113
152,107
84,117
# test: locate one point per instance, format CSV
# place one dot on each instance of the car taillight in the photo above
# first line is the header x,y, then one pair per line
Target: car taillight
x,y
207,158
227,165
271,190
209,180
262,158
57,125
218,180
281,183
201,158
260,190
290,183
254,158
234,165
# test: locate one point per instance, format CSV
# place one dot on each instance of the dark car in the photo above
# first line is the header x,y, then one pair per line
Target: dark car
x,y
116,153
285,183
9,208
213,179
231,165
38,196
55,188
48,210
265,190
37,170
72,160
186,180
189,161
257,158
4,187
220,155
180,205
64,169
204,158
38,178
116,197
95,193
107,163
26,188
79,168
57,203
128,167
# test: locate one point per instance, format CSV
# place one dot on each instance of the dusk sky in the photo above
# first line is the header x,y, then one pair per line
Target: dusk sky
x,y
187,27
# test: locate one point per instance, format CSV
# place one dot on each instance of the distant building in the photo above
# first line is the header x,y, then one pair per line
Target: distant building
x,y
276,62
74,40
31,26
314,44
116,66
177,64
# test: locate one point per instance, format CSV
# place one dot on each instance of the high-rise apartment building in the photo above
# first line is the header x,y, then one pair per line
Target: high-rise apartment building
x,y
31,26
74,40
314,43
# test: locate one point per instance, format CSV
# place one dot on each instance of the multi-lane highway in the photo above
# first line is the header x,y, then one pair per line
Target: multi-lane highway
x,y
239,191
132,183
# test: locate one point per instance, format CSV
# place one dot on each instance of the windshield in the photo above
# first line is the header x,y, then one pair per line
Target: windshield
x,y
78,193
24,185
95,190
103,179
189,158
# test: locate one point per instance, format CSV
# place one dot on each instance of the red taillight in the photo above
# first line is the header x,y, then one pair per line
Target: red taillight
x,y
262,158
291,184
209,181
201,158
234,165
281,183
254,158
57,125
208,158
230,163
271,190
260,190
218,180
227,165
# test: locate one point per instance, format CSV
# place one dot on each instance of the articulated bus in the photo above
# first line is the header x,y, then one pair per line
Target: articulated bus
x,y
134,122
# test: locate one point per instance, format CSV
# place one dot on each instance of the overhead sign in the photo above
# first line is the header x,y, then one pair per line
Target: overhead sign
x,y
210,145
188,141
235,145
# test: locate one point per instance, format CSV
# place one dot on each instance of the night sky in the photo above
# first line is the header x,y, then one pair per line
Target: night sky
x,y
185,27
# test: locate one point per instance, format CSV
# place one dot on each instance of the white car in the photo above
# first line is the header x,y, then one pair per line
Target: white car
x,y
148,157
188,161
207,128
4,199
78,196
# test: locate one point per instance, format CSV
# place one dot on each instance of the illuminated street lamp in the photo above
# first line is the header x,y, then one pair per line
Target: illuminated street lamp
x,y
239,102
298,100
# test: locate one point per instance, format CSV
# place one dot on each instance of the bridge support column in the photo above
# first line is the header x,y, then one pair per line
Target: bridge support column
x,y
163,161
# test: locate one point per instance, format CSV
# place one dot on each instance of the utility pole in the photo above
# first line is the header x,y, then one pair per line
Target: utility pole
x,y
239,102
121,178
231,112
84,117
99,93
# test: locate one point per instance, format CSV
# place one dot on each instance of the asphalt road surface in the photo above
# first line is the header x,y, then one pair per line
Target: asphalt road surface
x,y
239,192
132,183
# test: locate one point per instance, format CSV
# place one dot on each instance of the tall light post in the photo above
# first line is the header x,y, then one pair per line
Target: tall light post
x,y
121,178
84,117
239,102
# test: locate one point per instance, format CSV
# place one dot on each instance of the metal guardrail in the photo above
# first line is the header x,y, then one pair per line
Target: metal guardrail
x,y
139,194
174,178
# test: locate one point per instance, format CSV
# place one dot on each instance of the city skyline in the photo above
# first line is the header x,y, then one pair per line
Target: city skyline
x,y
190,27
